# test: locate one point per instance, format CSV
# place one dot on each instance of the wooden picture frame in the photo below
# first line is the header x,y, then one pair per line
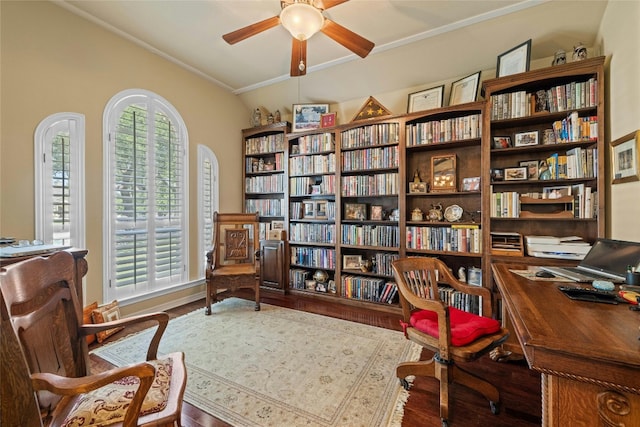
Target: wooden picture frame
x,y
515,174
532,168
321,209
351,262
328,120
355,211
471,183
515,60
376,213
427,99
443,173
307,116
417,187
308,209
464,90
501,142
625,163
525,139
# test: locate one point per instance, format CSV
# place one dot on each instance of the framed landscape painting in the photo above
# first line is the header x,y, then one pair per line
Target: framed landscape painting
x,y
308,116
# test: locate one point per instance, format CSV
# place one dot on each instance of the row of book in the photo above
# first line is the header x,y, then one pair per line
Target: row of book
x,y
382,263
456,238
297,278
454,129
298,210
369,289
305,186
583,201
264,144
315,143
371,158
316,164
567,97
576,163
575,128
264,184
312,233
385,184
313,257
505,204
370,235
460,300
254,164
378,134
265,207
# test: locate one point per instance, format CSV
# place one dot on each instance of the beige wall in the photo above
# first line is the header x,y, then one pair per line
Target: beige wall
x,y
620,37
54,61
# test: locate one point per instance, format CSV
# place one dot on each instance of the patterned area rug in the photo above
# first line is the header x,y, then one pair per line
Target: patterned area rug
x,y
282,367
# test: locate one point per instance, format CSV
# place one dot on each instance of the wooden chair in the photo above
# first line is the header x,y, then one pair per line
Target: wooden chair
x,y
234,262
454,336
41,304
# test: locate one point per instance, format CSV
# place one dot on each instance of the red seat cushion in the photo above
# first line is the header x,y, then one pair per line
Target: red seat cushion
x,y
465,327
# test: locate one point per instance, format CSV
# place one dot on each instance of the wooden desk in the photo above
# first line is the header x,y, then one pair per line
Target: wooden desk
x,y
588,353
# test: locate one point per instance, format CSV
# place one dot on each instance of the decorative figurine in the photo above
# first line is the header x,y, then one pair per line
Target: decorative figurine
x,y
579,52
559,58
270,119
257,118
416,215
462,275
277,117
435,213
366,265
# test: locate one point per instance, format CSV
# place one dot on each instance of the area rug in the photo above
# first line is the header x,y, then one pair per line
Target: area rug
x,y
282,367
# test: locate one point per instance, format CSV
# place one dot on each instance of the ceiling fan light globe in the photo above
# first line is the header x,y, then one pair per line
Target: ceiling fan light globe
x,y
301,20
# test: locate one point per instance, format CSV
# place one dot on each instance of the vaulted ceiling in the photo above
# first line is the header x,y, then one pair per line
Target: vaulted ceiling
x,y
416,41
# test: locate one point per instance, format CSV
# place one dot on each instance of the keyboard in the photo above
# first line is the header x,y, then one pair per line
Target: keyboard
x,y
589,294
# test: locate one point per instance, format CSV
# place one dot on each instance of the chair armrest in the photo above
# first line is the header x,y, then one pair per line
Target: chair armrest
x,y
73,386
161,318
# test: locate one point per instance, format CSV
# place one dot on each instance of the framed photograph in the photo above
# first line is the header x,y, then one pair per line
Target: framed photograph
x,y
321,209
464,90
471,184
443,173
316,189
310,285
376,213
351,262
308,209
277,225
328,120
524,139
357,211
427,99
532,168
515,60
515,174
556,192
624,158
502,142
418,187
497,174
308,116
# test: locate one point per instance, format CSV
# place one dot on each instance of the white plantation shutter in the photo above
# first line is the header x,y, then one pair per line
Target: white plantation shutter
x,y
59,169
146,151
207,202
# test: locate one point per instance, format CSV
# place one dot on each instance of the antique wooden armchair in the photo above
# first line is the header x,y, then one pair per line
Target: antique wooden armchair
x,y
41,304
234,261
454,336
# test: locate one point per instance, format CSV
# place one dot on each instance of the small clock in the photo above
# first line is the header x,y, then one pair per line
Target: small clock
x,y
453,213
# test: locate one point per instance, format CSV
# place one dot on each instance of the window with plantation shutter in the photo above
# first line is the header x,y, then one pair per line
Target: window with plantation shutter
x,y
59,170
146,195
207,202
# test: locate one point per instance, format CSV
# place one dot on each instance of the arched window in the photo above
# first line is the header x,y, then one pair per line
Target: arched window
x,y
146,195
59,180
208,202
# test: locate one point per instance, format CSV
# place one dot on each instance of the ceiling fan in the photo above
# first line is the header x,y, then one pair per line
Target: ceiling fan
x,y
304,18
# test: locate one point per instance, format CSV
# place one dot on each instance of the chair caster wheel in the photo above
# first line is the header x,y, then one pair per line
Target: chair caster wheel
x,y
405,384
495,407
445,423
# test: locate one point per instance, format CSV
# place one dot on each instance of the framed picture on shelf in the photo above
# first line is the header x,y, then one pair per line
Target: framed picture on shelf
x,y
532,168
308,116
356,211
418,187
376,213
309,209
524,139
443,173
328,120
501,142
497,174
556,192
427,99
515,174
515,60
321,209
316,189
465,89
471,184
351,262
277,225
624,158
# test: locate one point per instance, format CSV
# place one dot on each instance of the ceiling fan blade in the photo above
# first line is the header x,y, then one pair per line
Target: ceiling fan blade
x,y
326,4
347,38
251,30
298,53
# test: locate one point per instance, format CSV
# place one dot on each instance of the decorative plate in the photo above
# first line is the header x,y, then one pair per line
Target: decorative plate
x,y
453,213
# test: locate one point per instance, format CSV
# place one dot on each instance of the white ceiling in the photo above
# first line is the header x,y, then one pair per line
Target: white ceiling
x,y
417,42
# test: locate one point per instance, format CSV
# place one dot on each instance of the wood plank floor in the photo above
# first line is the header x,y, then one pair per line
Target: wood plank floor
x,y
519,386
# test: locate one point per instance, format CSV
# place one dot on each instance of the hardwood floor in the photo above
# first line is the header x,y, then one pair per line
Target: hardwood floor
x,y
519,386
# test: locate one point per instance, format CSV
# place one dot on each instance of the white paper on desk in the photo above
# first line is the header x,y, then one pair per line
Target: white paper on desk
x,y
531,275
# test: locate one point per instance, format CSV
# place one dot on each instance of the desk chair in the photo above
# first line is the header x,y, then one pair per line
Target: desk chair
x,y
41,304
234,262
455,336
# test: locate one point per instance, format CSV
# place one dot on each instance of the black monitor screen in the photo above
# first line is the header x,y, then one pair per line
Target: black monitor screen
x,y
612,256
